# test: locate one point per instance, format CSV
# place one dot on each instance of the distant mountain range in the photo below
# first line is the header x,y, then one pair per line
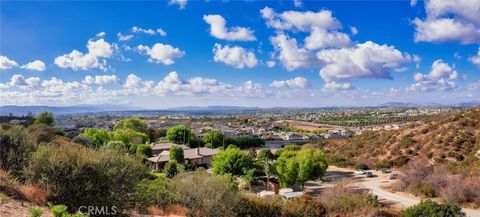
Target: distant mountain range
x,y
209,108
412,105
24,110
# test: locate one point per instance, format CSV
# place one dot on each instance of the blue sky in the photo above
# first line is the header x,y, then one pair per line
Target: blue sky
x,y
250,53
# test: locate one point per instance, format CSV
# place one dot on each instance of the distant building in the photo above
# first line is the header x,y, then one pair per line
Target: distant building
x,y
193,156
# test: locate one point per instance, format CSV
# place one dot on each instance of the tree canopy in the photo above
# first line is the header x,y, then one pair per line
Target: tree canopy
x,y
215,137
46,118
133,123
179,134
232,160
176,154
297,167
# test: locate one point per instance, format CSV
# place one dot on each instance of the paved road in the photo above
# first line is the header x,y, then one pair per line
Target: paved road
x,y
375,184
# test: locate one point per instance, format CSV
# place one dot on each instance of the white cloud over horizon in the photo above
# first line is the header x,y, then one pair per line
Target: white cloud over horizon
x,y
297,82
441,76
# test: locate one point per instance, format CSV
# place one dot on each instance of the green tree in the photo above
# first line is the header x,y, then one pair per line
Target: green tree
x,y
232,160
428,208
179,134
99,137
176,154
294,167
133,123
144,150
312,165
155,134
129,136
265,155
214,137
45,118
249,178
172,168
287,170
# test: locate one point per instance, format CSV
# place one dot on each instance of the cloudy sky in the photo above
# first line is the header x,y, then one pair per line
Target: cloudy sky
x,y
247,53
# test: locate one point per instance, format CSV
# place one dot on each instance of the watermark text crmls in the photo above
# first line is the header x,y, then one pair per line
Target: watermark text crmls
x,y
98,210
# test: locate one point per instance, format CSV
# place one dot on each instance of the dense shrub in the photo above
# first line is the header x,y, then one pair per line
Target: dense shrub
x,y
155,192
172,168
425,189
144,150
304,206
342,198
204,194
428,208
83,140
258,207
79,176
16,146
42,133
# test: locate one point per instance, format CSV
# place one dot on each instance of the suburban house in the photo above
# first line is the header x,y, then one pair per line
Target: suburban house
x,y
159,148
193,156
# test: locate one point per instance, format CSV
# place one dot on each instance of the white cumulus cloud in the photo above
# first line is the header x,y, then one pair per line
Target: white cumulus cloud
x,y
291,55
475,59
367,60
161,53
332,85
441,76
298,82
452,20
100,79
97,51
36,65
6,63
219,30
235,56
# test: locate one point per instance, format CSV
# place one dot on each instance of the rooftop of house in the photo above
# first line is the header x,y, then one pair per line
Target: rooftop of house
x,y
188,153
164,146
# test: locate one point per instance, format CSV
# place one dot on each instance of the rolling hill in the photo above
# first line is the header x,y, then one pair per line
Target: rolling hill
x,y
452,139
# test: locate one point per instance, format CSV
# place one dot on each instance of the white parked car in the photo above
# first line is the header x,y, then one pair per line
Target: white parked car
x,y
360,172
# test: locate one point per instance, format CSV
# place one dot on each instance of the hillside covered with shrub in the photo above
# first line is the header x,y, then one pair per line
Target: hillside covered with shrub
x,y
452,140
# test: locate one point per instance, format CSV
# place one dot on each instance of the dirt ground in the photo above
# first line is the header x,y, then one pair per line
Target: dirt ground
x,y
14,208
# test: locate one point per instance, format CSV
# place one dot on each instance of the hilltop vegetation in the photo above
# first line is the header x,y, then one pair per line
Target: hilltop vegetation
x,y
452,139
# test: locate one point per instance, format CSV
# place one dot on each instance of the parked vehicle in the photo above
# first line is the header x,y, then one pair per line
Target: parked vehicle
x,y
369,174
385,170
392,176
360,171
